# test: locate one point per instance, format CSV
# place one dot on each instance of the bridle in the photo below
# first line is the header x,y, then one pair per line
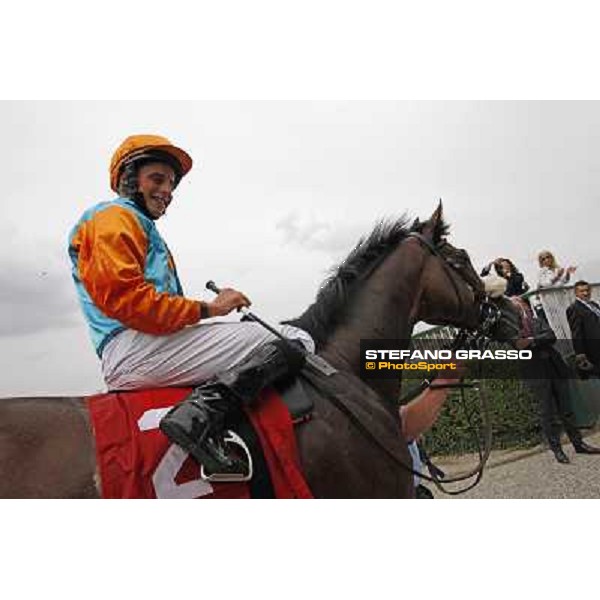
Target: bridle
x,y
489,316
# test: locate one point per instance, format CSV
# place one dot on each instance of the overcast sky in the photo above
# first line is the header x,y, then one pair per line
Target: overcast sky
x,y
279,193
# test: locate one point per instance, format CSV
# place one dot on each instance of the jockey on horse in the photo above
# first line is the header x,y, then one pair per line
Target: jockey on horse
x,y
146,332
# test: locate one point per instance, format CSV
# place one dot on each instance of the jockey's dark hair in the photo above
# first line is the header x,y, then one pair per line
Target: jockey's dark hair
x,y
335,294
128,181
128,187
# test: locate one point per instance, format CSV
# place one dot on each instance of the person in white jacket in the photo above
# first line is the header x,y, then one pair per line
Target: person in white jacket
x,y
551,273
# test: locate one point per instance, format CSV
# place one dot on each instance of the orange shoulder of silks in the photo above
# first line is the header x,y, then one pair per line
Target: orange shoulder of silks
x,y
112,254
113,234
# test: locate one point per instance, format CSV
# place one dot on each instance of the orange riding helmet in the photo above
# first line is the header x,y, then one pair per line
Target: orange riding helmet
x,y
139,145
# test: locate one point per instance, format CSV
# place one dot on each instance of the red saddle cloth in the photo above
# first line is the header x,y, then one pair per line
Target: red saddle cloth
x,y
136,460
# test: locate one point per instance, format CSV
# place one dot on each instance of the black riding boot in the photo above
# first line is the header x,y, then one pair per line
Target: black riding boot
x,y
197,423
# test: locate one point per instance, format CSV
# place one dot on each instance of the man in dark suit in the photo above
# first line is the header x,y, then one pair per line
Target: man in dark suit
x,y
546,375
584,320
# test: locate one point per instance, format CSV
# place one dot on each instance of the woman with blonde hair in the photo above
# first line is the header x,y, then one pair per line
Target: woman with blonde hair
x,y
551,273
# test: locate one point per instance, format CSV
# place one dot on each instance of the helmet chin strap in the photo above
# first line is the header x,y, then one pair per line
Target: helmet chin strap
x,y
138,198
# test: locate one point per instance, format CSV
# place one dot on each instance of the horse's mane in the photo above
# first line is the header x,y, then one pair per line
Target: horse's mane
x,y
338,290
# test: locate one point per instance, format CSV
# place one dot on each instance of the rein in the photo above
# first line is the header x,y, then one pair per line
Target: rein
x,y
356,420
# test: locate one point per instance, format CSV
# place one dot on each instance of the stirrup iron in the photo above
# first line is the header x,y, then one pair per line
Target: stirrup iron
x,y
231,438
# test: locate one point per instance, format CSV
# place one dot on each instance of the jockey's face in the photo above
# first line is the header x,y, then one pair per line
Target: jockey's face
x,y
156,182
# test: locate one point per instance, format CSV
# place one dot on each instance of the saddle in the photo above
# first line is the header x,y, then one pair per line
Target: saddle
x,y
136,460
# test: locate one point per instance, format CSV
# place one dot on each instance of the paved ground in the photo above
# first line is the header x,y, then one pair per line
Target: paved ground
x,y
532,473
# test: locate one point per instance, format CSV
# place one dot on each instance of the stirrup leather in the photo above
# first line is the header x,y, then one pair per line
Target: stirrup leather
x,y
233,439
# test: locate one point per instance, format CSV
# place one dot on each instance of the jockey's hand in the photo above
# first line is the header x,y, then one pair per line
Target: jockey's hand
x,y
226,301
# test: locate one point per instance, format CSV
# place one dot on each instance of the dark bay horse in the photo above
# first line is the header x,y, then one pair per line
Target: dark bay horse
x,y
397,276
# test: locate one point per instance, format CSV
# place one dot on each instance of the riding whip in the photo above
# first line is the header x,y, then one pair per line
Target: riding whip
x,y
312,360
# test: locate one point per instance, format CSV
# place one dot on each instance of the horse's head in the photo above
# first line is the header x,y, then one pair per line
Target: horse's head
x,y
395,277
452,293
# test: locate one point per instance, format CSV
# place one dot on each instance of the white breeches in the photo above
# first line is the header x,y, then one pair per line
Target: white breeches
x,y
135,360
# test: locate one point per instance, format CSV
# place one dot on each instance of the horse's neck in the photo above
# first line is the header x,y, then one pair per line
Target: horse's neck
x,y
384,309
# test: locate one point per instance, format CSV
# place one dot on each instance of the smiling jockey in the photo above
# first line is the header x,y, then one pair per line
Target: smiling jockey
x,y
145,331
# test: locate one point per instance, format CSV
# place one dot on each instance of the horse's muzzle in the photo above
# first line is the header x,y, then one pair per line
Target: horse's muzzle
x,y
498,319
489,317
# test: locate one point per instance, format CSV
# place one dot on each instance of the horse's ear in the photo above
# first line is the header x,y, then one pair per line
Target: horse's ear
x,y
433,224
